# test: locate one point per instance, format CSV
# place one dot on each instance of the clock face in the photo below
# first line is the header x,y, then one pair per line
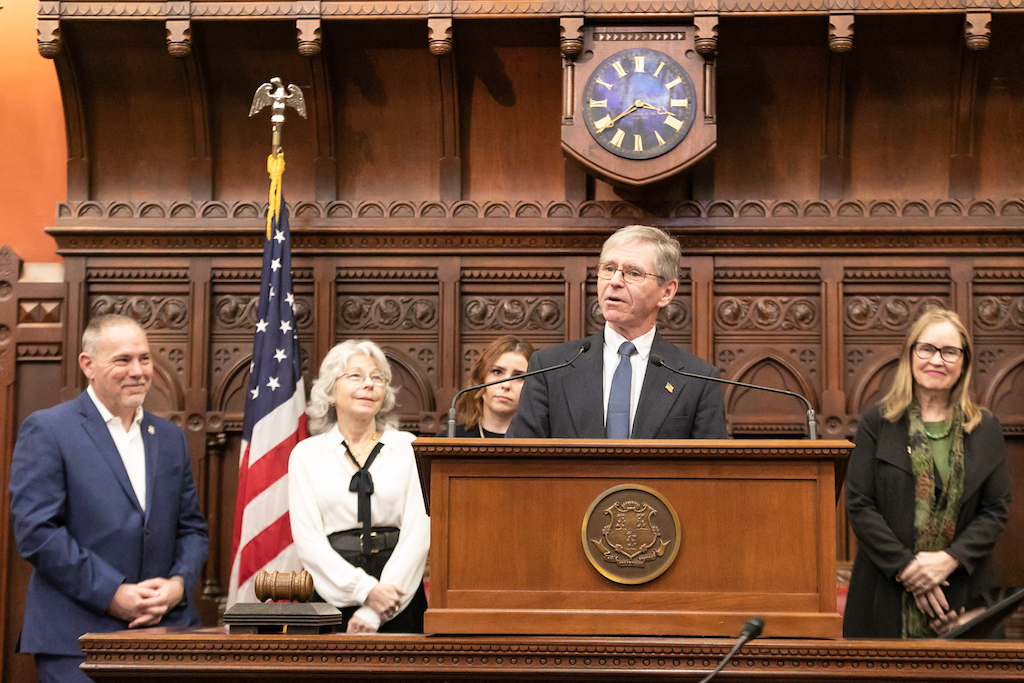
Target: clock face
x,y
638,103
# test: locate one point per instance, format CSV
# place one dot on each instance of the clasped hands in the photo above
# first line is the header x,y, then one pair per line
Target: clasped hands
x,y
384,599
924,577
145,603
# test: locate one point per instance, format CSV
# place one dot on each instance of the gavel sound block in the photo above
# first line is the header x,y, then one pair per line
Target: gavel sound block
x,y
289,610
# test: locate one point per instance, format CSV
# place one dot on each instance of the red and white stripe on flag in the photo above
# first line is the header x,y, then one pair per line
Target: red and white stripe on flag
x,y
275,421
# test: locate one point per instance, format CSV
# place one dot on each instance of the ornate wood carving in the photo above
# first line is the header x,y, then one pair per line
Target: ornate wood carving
x,y
439,35
309,41
840,32
179,37
206,654
278,9
766,313
769,212
978,30
889,313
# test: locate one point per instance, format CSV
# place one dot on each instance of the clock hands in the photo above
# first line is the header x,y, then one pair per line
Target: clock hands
x,y
658,110
610,122
607,122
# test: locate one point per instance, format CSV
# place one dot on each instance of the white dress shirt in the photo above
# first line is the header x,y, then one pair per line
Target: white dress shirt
x,y
320,504
638,361
129,446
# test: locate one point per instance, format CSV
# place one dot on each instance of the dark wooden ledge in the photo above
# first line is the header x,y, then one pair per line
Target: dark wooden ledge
x,y
191,655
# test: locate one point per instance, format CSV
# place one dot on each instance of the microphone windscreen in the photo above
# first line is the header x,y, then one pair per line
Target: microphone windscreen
x,y
655,359
752,629
585,346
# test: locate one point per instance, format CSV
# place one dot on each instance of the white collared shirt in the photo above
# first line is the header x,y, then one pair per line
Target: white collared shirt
x,y
638,361
129,445
320,504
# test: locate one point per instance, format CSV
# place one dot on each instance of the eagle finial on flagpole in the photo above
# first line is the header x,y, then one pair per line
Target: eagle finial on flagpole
x,y
279,98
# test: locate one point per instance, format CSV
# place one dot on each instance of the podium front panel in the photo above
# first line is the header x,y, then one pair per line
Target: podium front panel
x,y
756,536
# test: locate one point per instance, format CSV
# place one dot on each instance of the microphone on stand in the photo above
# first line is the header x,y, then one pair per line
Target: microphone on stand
x,y
752,629
584,347
812,425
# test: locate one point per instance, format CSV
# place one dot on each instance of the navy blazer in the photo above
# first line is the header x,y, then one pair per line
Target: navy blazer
x,y
569,403
78,522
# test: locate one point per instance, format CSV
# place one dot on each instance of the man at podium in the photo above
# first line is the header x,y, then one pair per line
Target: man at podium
x,y
612,391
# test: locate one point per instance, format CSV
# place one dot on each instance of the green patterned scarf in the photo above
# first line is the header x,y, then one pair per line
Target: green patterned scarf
x,y
934,517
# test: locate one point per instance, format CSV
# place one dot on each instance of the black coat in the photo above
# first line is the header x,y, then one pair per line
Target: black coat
x,y
880,501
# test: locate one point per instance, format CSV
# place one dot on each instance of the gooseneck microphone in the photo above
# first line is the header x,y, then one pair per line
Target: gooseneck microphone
x,y
812,425
752,629
584,347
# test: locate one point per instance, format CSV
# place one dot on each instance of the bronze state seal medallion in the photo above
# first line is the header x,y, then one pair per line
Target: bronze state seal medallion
x,y
631,534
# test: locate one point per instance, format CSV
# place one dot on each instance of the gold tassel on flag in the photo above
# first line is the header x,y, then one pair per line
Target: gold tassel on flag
x,y
275,167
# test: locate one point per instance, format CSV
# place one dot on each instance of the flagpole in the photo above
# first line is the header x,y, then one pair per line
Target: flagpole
x,y
275,402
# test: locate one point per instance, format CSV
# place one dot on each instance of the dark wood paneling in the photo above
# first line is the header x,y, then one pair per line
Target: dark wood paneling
x,y
902,76
772,81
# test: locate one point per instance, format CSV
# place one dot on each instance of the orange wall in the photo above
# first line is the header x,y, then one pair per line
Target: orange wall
x,y
33,154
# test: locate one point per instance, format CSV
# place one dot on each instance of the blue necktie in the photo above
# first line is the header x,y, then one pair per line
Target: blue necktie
x,y
616,426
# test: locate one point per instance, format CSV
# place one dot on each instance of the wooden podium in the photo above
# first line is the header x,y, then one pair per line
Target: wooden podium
x,y
757,536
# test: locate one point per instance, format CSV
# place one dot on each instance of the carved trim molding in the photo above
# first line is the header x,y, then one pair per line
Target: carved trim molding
x,y
748,275
71,212
270,9
148,274
704,236
391,274
495,274
38,352
903,274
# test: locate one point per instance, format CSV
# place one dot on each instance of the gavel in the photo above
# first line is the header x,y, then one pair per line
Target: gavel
x,y
296,587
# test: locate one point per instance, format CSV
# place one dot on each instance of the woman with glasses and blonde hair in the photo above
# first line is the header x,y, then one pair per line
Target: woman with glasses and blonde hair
x,y
927,491
487,412
356,508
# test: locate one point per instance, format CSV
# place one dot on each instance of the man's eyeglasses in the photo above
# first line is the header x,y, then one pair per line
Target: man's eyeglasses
x,y
631,274
950,354
357,377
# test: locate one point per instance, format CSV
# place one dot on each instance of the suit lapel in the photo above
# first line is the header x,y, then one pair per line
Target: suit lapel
x,y
656,400
97,431
584,390
152,447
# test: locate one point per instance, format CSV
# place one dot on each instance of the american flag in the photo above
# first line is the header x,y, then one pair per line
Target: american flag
x,y
275,421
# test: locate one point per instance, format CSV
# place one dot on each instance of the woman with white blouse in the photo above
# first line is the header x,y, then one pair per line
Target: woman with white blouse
x,y
356,507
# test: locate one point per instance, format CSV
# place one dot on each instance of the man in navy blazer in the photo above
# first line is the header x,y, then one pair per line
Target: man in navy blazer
x,y
638,275
104,507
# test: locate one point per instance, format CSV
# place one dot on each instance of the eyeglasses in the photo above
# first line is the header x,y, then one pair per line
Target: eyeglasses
x,y
357,377
950,354
631,274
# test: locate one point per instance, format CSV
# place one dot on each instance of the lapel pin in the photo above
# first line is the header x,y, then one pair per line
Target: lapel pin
x,y
150,430
669,387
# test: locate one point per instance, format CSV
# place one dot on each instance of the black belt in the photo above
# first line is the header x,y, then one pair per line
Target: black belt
x,y
356,541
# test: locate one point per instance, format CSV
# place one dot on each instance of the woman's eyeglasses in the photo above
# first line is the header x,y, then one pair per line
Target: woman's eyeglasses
x,y
358,378
950,354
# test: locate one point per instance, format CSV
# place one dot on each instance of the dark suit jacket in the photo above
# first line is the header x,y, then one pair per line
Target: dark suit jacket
x,y
880,500
569,403
77,521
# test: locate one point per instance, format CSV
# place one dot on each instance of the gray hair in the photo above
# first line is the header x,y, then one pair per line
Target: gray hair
x,y
321,410
666,248
94,330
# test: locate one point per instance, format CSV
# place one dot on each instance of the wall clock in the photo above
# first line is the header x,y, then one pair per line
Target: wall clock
x,y
638,103
634,110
